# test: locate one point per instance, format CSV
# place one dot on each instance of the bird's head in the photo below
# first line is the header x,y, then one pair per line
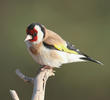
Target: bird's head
x,y
35,33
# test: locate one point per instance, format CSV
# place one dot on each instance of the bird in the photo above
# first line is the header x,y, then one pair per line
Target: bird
x,y
49,50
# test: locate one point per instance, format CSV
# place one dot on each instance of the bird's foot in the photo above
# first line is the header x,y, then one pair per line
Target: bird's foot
x,y
46,67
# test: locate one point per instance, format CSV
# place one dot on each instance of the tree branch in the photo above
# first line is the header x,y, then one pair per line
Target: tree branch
x,y
39,83
14,95
24,77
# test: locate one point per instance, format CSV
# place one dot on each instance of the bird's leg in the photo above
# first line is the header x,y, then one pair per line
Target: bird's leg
x,y
46,67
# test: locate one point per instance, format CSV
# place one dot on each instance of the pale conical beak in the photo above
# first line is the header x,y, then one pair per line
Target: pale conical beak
x,y
28,37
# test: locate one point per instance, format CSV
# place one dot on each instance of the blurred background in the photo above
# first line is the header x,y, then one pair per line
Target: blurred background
x,y
85,23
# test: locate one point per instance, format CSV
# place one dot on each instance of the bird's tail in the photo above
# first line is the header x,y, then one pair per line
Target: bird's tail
x,y
87,58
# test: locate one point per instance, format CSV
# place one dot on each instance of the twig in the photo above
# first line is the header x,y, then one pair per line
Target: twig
x,y
39,83
14,95
23,77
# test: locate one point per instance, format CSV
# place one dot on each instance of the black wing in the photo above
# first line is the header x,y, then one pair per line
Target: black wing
x,y
72,47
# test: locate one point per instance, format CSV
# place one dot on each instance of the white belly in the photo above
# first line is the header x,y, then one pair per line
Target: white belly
x,y
46,57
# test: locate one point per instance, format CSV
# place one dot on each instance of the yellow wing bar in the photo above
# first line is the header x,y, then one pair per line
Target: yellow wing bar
x,y
65,49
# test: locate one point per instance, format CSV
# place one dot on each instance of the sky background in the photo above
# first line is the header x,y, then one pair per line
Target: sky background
x,y
85,23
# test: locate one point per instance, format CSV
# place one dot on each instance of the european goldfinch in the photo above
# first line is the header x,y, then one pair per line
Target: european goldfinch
x,y
47,48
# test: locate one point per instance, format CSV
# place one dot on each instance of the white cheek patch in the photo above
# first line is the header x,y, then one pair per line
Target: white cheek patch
x,y
39,35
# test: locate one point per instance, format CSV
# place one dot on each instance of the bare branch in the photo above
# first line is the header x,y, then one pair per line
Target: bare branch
x,y
40,83
23,77
14,95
